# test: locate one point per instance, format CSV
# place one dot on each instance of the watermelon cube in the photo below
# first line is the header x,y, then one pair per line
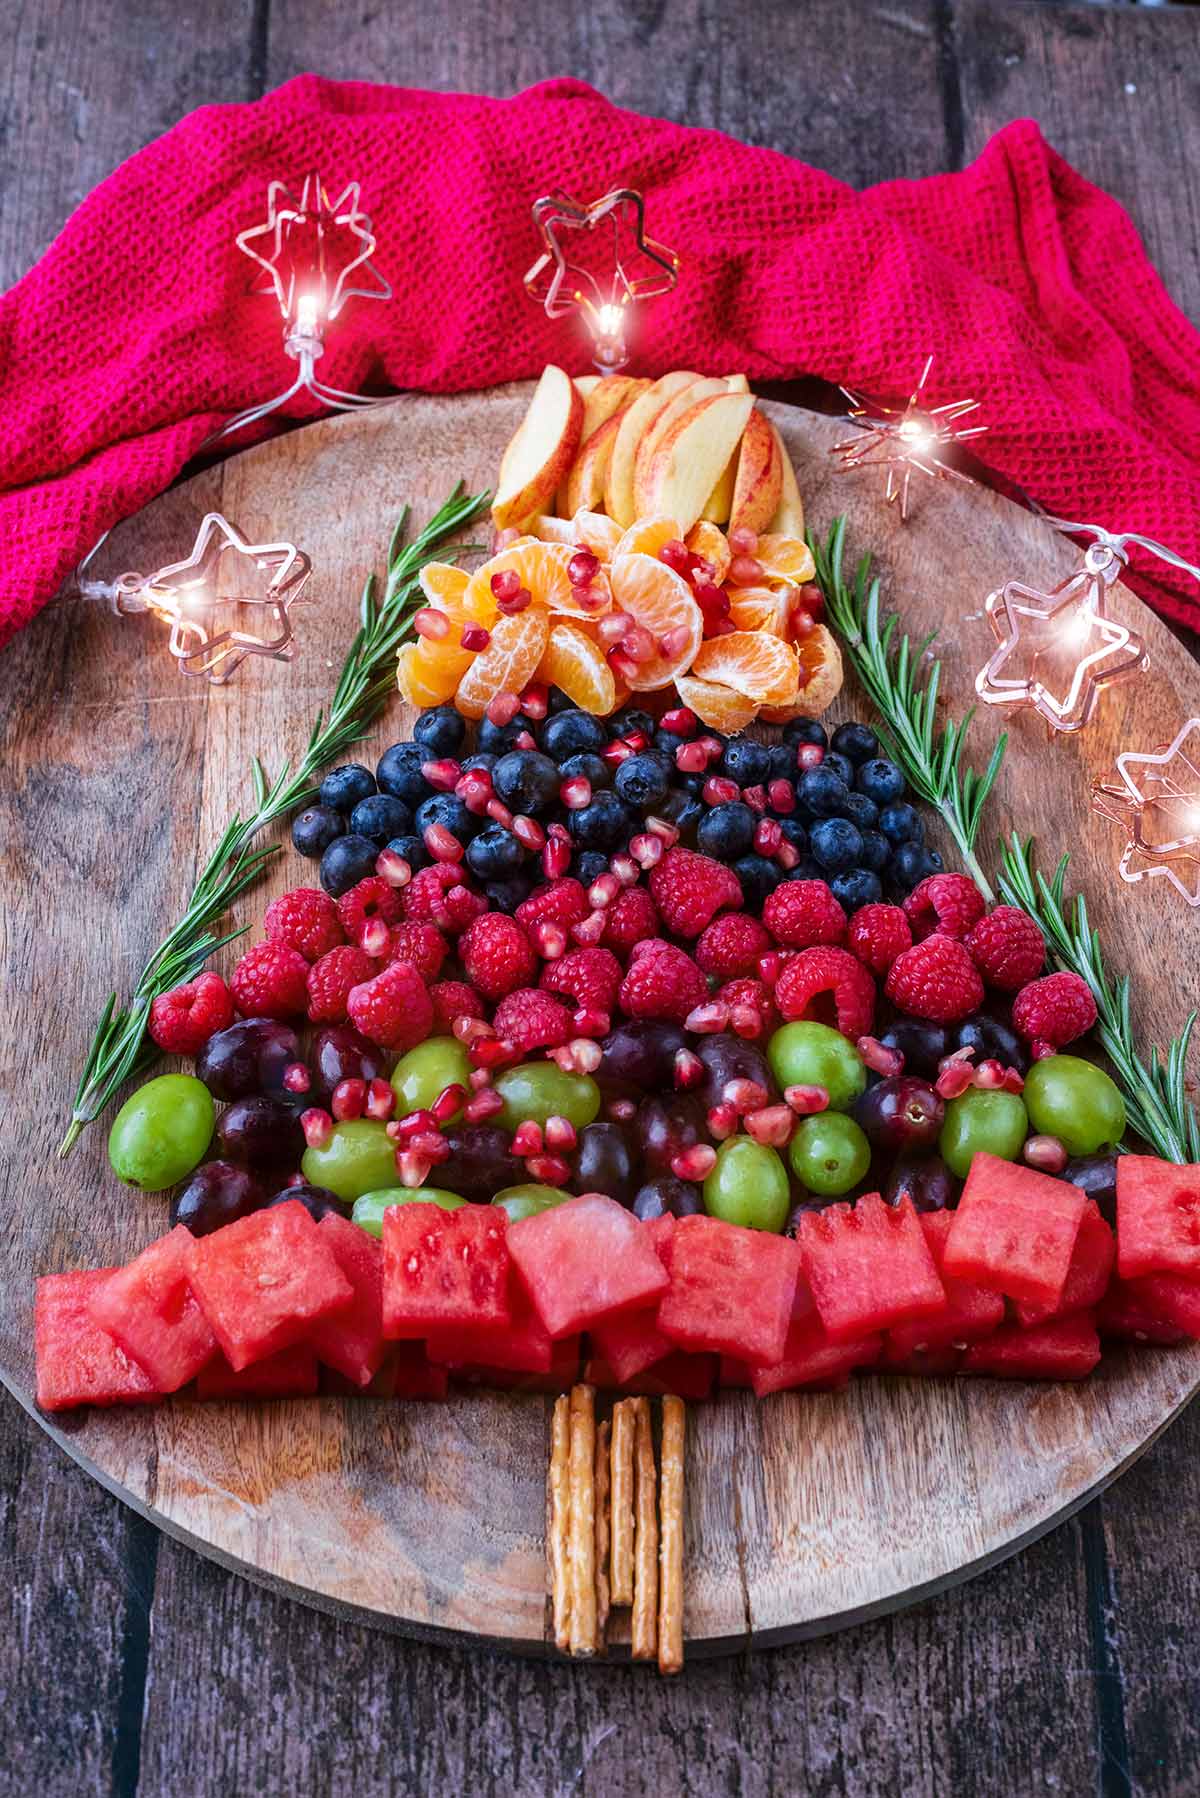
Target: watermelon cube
x,y
869,1266
922,1363
685,1376
522,1345
78,1362
733,1373
264,1281
1087,1279
632,1341
970,1312
351,1339
811,1358
559,1377
586,1259
1066,1348
290,1373
731,1290
412,1374
148,1307
443,1269
1014,1231
1175,1300
1158,1217
1127,1315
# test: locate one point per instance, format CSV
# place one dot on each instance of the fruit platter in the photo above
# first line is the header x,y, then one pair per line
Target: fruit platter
x,y
619,1010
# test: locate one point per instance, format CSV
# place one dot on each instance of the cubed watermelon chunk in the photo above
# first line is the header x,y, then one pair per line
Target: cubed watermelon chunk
x,y
1088,1276
442,1269
733,1373
1126,1315
290,1373
731,1289
412,1373
1066,1348
970,1312
559,1377
522,1345
1158,1217
868,1266
1014,1231
264,1281
924,1364
78,1362
632,1341
810,1358
686,1376
149,1308
1172,1298
586,1259
351,1339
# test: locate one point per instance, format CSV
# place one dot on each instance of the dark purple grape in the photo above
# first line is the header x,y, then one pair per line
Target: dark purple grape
x,y
727,1058
217,1193
900,1112
927,1181
993,1039
316,1200
640,1057
261,1133
249,1057
1097,1175
811,1201
665,1127
922,1045
340,1053
481,1163
666,1196
605,1161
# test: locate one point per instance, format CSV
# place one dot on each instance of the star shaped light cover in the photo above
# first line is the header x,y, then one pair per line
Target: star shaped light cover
x,y
598,261
309,249
1156,802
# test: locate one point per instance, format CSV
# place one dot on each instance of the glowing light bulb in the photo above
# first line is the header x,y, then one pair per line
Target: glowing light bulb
x,y
307,314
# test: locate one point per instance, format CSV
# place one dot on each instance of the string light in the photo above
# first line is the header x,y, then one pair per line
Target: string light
x,y
1156,802
908,439
604,300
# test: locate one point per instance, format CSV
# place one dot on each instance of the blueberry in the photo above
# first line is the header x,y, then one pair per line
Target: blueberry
x,y
315,828
881,781
589,865
910,864
682,809
861,811
836,844
399,772
807,869
497,739
347,861
902,823
573,733
856,742
875,850
781,762
840,765
604,823
629,719
526,781
441,731
795,833
412,849
759,878
669,741
594,769
557,701
506,895
726,831
643,780
805,730
495,854
821,793
342,788
445,809
381,817
482,760
856,887
747,762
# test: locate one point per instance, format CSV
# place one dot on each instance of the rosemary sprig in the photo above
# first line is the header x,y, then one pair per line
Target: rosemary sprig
x,y
887,664
1156,1101
119,1047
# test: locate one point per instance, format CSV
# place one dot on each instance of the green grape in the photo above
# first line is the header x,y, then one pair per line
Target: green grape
x,y
830,1154
539,1090
805,1054
359,1157
529,1201
1076,1101
427,1070
748,1185
369,1207
161,1132
980,1121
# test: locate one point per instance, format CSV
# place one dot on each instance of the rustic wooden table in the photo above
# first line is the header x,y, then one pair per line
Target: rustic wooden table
x,y
127,1664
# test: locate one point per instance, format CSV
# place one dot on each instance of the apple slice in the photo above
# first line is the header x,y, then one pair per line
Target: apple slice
x,y
584,485
789,513
618,488
690,458
587,384
612,393
540,450
737,383
659,426
719,503
759,482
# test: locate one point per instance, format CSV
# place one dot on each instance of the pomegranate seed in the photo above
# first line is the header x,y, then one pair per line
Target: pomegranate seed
x,y
431,624
393,868
498,812
989,1076
349,1098
444,774
479,1077
676,554
954,1079
682,720
441,845
717,790
381,1101
590,929
492,1052
616,752
782,796
755,798
713,749
475,789
1013,1082
638,644
413,1169
375,937
576,792
688,1069
587,1055
722,1121
317,1126
483,1104
1041,1050
772,1126
746,1021
502,708
518,603
787,855
583,567
603,890
550,1170
625,869
667,833
724,627
690,758
708,1018
393,1132
805,1100
674,642
610,630
535,700
636,739
771,965
525,739
560,1133
694,1163
527,1139
587,1022
528,832
475,637
767,836
621,1110
646,850
1046,1153
505,583
468,1029
701,570
743,541
879,1058
556,858
549,939
296,1179
296,1077
803,624
745,571
431,1144
712,600
414,1123
448,1103
745,1095
809,755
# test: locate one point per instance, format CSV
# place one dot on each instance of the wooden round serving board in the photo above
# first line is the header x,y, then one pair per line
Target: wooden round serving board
x,y
805,1512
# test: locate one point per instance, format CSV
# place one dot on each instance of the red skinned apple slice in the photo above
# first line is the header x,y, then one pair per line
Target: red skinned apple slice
x,y
759,483
675,408
789,514
691,456
541,450
618,487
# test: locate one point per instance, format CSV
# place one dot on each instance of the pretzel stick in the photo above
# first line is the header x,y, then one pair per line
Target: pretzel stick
x,y
582,1521
621,1564
670,1597
558,1512
603,1529
643,1626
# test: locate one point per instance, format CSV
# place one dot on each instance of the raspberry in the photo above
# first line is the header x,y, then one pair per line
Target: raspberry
x,y
731,945
270,981
330,981
662,982
629,920
877,934
182,1020
802,913
393,1010
422,944
496,955
371,898
754,994
827,984
558,902
1055,1009
442,895
935,979
530,1019
592,977
690,889
305,919
951,904
1008,948
454,999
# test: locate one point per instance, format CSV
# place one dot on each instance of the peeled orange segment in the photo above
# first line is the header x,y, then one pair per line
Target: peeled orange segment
x,y
657,598
758,609
820,662
508,664
549,529
576,666
597,532
785,558
420,683
707,540
716,705
443,584
646,537
542,567
751,662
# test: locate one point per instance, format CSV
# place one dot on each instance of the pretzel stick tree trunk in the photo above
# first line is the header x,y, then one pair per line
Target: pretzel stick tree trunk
x,y
644,1622
582,1522
670,1598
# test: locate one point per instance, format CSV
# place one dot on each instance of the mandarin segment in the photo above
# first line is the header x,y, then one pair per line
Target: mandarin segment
x,y
507,665
758,609
646,537
418,684
708,540
597,532
717,706
576,666
751,662
785,558
820,663
541,567
660,600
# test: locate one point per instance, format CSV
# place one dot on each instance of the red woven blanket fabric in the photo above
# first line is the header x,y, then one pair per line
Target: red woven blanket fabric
x,y
137,334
